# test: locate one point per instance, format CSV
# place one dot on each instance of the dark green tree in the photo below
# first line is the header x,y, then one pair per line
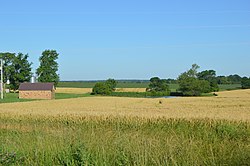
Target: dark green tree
x,y
207,74
210,76
47,71
190,85
101,88
17,69
245,83
222,80
20,71
111,83
158,85
234,79
8,59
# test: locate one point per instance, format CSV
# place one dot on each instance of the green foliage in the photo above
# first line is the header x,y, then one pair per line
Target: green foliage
x,y
222,80
158,94
158,85
104,88
214,86
8,59
17,69
245,83
101,88
47,71
207,75
231,79
234,79
22,71
210,76
190,85
111,83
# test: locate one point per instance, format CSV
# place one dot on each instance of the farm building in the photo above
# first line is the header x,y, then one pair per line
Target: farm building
x,y
36,91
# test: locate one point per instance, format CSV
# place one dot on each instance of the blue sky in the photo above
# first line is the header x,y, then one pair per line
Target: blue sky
x,y
130,39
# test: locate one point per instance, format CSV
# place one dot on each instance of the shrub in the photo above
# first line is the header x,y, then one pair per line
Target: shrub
x,y
111,83
101,88
158,87
245,83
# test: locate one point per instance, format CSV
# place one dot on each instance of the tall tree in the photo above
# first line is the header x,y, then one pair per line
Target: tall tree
x,y
8,59
189,83
21,71
222,80
210,76
158,85
112,83
47,71
234,79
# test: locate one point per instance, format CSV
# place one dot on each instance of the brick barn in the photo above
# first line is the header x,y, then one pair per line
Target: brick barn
x,y
37,91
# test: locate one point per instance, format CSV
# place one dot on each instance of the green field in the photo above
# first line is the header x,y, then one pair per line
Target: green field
x,y
119,85
122,141
229,87
91,84
13,97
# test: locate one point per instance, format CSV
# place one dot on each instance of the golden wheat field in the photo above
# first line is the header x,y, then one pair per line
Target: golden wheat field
x,y
130,90
231,105
74,90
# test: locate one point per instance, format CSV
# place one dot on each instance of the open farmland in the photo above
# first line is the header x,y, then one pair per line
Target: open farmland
x,y
89,90
129,85
128,131
232,105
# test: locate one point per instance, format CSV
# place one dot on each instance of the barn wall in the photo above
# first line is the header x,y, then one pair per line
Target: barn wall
x,y
36,94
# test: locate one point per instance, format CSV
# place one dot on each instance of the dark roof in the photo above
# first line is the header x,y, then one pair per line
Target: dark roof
x,y
36,86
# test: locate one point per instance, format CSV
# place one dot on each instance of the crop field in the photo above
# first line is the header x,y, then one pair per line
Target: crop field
x,y
83,84
127,131
74,90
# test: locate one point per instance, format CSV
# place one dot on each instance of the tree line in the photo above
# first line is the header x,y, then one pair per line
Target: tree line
x,y
221,80
191,83
17,68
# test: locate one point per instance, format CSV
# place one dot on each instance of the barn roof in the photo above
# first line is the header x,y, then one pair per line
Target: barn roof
x,y
36,86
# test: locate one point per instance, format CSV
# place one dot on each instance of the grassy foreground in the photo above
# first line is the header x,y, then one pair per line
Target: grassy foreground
x,y
122,141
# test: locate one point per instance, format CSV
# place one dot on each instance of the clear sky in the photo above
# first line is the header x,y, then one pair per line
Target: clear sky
x,y
130,39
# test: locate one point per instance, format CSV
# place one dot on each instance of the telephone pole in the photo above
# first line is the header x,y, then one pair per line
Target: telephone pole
x,y
1,78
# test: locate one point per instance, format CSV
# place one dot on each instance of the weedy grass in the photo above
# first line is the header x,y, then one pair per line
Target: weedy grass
x,y
123,141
